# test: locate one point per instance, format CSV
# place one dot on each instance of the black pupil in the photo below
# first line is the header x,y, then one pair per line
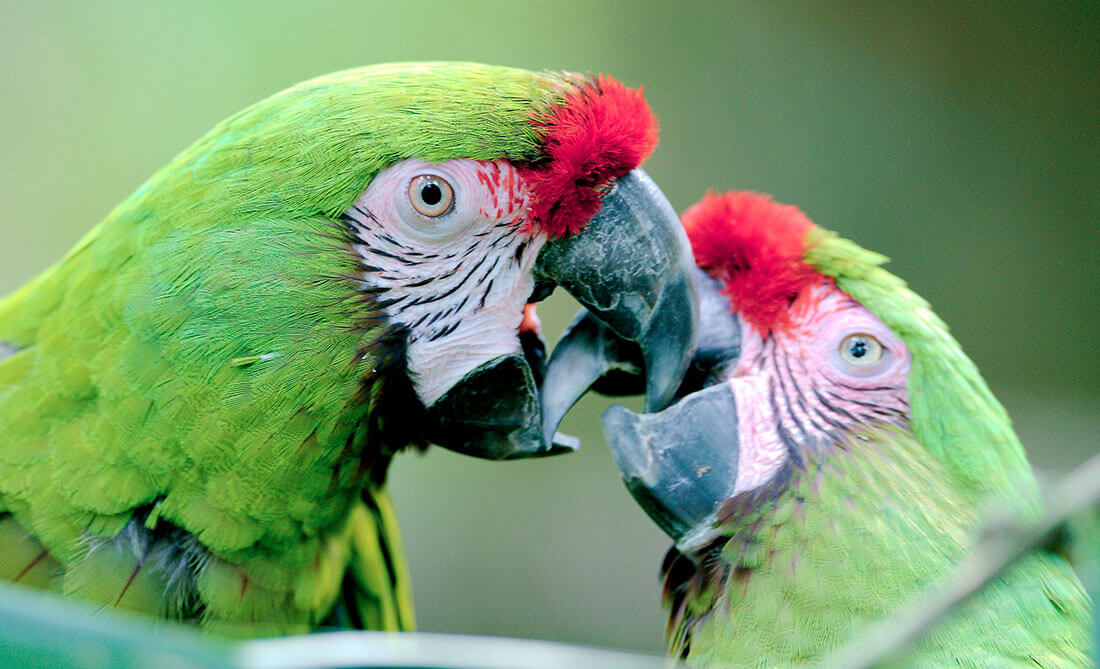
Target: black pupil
x,y
431,194
859,348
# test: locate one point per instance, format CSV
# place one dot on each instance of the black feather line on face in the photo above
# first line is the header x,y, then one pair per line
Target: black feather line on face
x,y
791,440
390,240
781,430
800,400
489,272
835,409
439,334
485,295
429,299
397,257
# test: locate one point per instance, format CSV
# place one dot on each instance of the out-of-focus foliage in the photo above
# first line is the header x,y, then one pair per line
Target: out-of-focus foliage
x,y
961,140
40,631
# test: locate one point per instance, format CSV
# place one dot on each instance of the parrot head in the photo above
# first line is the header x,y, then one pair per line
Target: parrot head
x,y
830,456
457,252
460,195
806,346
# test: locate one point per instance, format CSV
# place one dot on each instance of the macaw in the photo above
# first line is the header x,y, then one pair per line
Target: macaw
x,y
832,455
199,402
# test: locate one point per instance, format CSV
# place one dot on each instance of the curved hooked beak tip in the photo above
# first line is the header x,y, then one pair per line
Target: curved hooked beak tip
x,y
632,268
590,354
679,464
633,271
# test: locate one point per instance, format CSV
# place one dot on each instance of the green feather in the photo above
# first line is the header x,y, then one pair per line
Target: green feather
x,y
853,537
200,360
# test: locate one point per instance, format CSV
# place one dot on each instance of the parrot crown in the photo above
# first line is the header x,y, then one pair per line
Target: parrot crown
x,y
601,131
757,248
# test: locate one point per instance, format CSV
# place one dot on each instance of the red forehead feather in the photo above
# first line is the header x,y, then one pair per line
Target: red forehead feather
x,y
757,247
601,131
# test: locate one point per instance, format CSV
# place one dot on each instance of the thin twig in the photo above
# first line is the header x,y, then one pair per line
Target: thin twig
x,y
1077,492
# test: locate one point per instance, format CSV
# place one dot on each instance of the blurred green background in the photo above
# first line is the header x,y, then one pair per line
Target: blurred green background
x,y
962,142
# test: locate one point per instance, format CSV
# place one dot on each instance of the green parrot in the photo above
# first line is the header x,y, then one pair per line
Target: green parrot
x,y
832,454
198,404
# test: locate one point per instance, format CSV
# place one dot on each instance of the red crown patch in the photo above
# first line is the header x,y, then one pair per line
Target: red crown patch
x,y
601,131
757,247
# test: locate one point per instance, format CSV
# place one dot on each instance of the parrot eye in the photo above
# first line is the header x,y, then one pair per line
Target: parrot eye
x,y
860,350
431,195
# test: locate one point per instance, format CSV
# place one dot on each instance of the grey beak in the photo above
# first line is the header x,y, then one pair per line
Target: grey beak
x,y
591,355
632,268
680,464
494,413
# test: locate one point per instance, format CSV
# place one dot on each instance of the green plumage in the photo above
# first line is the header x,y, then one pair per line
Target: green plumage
x,y
853,539
859,529
202,363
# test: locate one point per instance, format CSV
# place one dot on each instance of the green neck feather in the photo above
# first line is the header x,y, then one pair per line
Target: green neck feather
x,y
805,565
854,538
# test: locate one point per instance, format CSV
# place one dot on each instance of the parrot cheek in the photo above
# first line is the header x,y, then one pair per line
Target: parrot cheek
x,y
437,363
480,382
437,366
762,452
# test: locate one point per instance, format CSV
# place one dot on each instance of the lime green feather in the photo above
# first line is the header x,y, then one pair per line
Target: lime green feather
x,y
855,536
24,560
202,357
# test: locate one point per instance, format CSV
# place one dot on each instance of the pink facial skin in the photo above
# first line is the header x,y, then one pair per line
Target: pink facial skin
x,y
800,385
460,279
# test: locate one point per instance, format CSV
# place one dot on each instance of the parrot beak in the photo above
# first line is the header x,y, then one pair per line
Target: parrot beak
x,y
680,463
632,269
591,355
